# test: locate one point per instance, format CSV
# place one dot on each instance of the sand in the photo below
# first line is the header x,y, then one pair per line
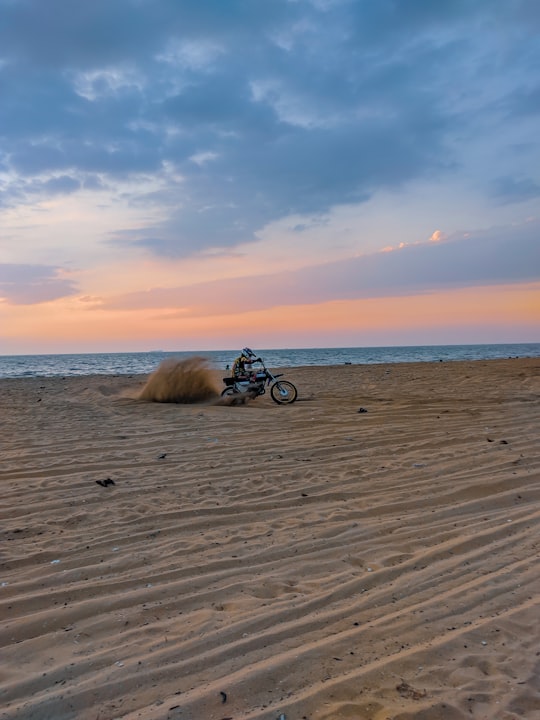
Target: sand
x,y
306,562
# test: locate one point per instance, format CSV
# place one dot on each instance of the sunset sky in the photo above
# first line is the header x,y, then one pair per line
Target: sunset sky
x,y
207,174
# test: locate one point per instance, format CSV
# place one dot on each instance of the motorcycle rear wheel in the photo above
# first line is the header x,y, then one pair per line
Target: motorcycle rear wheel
x,y
228,391
283,392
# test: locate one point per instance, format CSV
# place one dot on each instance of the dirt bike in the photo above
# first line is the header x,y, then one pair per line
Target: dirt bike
x,y
282,392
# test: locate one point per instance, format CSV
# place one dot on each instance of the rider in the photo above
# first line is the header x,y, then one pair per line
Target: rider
x,y
246,357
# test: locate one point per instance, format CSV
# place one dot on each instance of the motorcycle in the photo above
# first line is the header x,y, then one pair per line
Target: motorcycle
x,y
282,392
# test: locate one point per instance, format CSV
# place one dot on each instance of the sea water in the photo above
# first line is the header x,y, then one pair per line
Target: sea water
x,y
141,363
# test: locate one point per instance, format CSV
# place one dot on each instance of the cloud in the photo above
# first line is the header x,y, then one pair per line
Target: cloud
x,y
514,190
258,110
43,188
525,101
33,284
438,236
64,184
499,256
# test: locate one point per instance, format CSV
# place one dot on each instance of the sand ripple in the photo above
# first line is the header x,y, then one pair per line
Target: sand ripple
x,y
248,562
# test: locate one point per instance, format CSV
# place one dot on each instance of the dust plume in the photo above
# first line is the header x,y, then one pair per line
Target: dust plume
x,y
180,381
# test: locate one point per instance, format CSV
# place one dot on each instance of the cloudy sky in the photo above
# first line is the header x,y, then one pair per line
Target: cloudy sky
x,y
198,174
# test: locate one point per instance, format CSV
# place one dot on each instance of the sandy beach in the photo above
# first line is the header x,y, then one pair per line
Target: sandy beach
x,y
369,552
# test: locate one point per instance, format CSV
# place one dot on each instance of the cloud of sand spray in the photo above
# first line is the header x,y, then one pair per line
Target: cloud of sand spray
x,y
180,381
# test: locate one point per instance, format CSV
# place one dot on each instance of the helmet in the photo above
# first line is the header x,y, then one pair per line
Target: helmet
x,y
248,352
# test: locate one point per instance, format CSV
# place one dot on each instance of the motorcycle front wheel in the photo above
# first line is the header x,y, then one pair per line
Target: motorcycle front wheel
x,y
283,392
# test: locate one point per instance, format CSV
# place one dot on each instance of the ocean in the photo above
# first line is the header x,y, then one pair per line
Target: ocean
x,y
141,363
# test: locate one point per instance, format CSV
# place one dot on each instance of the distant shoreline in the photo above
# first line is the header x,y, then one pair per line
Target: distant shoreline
x,y
219,372
143,363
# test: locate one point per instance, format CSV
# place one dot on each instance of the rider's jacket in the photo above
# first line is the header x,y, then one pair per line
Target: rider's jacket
x,y
239,366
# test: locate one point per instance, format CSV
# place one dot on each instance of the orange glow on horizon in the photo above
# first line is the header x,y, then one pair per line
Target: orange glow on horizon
x,y
75,324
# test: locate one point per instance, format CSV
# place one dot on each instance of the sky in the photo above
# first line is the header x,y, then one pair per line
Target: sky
x,y
202,174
